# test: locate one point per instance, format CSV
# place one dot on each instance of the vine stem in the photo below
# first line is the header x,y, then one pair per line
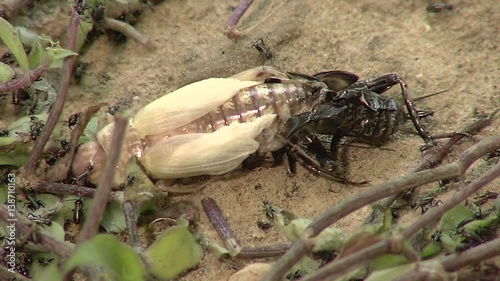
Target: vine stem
x,y
374,194
57,108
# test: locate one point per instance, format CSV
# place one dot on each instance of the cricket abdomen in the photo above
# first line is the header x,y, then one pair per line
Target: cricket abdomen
x,y
283,99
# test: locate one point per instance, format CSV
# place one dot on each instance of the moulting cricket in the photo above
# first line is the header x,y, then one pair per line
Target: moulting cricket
x,y
210,127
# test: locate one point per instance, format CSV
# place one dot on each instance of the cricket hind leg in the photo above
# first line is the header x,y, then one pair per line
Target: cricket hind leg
x,y
312,155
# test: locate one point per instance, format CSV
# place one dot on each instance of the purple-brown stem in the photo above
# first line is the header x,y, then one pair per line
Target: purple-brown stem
x,y
23,82
104,188
373,194
70,189
133,232
339,267
57,108
220,224
231,30
264,252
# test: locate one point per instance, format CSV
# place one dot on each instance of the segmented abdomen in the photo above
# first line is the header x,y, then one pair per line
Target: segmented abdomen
x,y
367,125
284,99
375,127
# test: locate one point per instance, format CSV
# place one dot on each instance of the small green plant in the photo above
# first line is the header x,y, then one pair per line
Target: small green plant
x,y
44,54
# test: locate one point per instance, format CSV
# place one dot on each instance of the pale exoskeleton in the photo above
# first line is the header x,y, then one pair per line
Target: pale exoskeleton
x,y
210,127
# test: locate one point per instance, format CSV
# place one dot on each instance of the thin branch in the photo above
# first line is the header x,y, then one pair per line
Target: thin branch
x,y
454,261
340,267
437,153
57,108
376,193
482,252
133,232
23,82
30,229
220,224
437,212
70,189
264,252
104,188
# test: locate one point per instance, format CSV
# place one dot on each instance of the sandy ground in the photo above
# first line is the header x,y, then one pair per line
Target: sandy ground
x,y
455,50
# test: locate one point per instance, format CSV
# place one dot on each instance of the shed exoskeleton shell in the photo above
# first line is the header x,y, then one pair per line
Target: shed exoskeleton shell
x,y
186,104
205,154
168,150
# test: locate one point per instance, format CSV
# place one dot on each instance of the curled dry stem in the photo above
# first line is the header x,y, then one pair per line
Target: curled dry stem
x,y
263,252
220,224
231,31
376,193
128,30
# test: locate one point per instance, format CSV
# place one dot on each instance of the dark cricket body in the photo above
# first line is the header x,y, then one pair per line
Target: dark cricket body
x,y
359,111
368,117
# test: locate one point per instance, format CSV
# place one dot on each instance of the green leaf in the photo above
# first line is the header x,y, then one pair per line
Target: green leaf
x,y
449,244
452,218
113,219
55,230
57,55
216,249
174,252
44,267
293,227
106,251
14,152
430,250
37,53
27,37
6,73
85,25
387,261
478,225
390,273
10,37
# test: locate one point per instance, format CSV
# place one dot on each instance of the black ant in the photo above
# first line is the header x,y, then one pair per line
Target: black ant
x,y
45,261
439,7
36,127
85,173
264,50
78,212
73,120
39,220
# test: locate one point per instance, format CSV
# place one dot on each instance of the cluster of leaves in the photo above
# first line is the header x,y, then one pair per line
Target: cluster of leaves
x,y
44,53
172,253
